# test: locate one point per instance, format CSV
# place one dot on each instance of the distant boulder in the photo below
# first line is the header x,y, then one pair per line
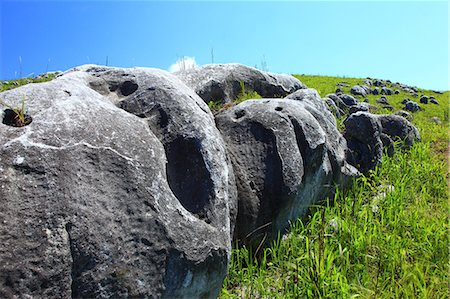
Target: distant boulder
x,y
386,91
433,101
404,114
360,90
424,99
375,91
348,99
223,82
366,134
412,106
382,101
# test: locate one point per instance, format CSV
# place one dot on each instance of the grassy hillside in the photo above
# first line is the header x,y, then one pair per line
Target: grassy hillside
x,y
386,237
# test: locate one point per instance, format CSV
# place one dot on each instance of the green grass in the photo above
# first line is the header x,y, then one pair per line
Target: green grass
x,y
385,237
10,84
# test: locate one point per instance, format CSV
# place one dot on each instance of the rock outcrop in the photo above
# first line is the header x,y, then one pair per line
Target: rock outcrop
x,y
367,134
223,82
98,202
287,154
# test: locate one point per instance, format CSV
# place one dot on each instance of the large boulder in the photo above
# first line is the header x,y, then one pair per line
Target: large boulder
x,y
360,90
97,202
367,134
223,82
287,154
399,128
362,132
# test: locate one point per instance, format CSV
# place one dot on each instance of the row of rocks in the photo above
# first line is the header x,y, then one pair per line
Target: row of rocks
x,y
125,184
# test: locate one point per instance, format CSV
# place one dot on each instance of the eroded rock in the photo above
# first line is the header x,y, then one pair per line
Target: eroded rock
x,y
223,82
287,154
100,203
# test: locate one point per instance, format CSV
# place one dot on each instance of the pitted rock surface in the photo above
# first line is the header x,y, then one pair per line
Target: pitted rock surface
x,y
91,195
287,154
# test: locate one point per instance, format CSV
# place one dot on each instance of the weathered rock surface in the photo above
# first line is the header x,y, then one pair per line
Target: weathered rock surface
x,y
287,154
362,132
399,128
367,133
222,82
360,90
412,106
99,203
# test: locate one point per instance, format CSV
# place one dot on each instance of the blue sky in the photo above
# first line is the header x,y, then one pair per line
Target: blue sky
x,y
406,41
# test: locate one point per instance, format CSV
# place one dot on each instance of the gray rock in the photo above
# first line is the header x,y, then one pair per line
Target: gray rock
x,y
337,100
368,82
362,132
388,144
397,91
435,120
386,91
337,112
405,101
437,92
359,90
366,134
343,84
287,154
222,82
404,114
412,106
399,128
378,83
100,203
424,99
357,108
382,101
433,101
375,91
348,99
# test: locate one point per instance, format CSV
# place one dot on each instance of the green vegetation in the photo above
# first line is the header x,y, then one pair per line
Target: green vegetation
x,y
10,84
385,237
245,94
20,117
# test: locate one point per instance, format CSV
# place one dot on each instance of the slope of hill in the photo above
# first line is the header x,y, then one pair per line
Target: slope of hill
x,y
386,237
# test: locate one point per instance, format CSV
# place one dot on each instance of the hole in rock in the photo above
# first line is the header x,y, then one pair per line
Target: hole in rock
x,y
128,87
238,114
278,108
16,118
188,176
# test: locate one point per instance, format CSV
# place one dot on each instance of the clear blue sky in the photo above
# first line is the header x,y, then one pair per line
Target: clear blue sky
x,y
405,41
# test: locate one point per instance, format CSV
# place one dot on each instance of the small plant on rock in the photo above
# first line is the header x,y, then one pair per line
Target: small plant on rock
x,y
15,117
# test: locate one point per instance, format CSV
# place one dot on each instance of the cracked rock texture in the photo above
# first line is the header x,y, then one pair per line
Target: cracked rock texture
x,y
222,82
119,187
287,154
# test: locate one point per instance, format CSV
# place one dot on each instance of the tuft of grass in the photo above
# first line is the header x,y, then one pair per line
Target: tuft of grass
x,y
20,116
387,236
217,105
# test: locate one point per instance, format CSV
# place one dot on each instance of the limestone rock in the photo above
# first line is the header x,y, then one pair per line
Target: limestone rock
x,y
412,106
222,82
362,132
287,154
93,202
367,133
